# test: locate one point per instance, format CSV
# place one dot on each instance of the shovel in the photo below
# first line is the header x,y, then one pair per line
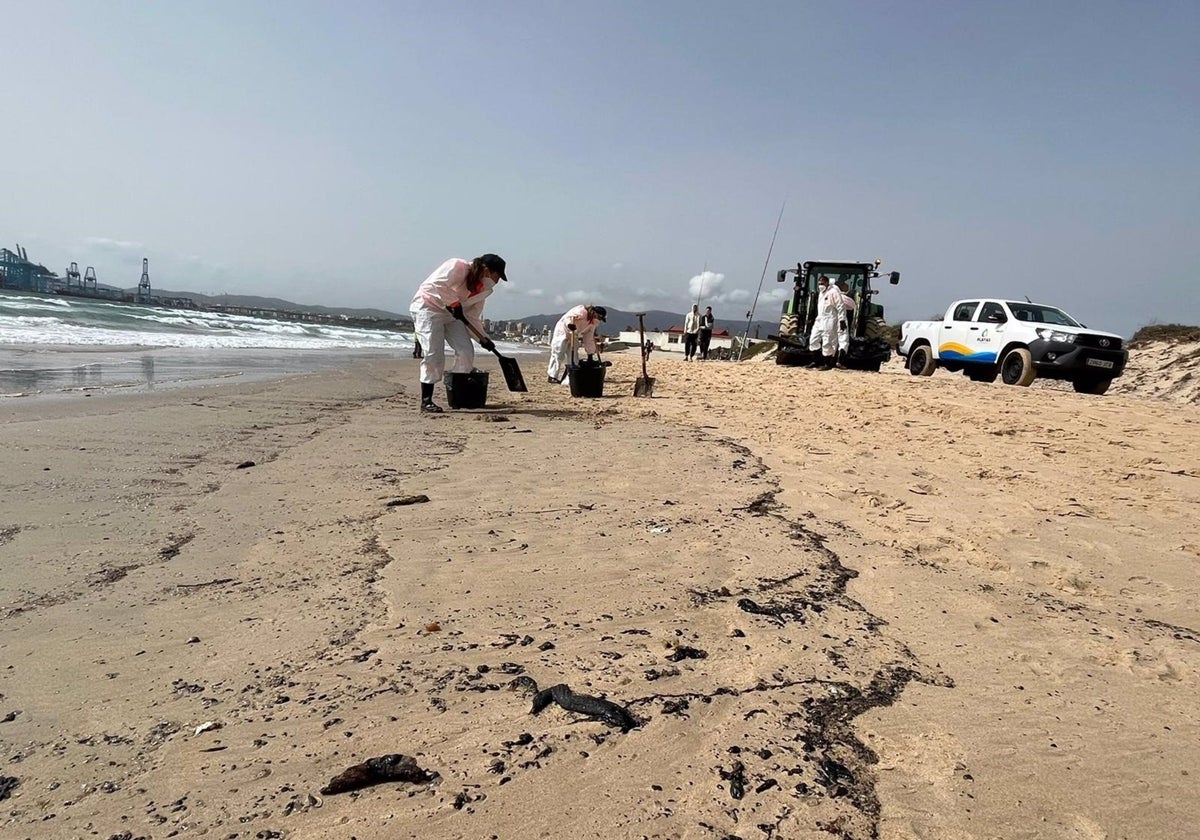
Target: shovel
x,y
644,387
508,366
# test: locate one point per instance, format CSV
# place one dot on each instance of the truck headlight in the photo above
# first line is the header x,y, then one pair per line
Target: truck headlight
x,y
1056,335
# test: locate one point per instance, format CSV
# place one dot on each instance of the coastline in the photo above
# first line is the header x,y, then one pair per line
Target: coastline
x,y
954,627
56,371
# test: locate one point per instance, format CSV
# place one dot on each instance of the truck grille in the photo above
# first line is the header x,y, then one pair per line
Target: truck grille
x,y
1102,342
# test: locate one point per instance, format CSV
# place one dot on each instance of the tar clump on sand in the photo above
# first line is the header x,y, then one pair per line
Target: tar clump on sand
x,y
375,771
598,708
419,498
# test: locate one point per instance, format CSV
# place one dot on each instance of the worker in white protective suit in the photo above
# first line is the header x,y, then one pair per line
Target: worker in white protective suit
x,y
580,322
847,324
830,318
450,299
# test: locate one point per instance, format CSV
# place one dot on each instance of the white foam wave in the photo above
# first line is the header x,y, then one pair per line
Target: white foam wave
x,y
40,320
42,331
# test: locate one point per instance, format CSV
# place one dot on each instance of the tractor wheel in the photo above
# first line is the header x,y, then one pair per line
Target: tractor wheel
x,y
876,328
982,373
921,361
1091,386
1017,368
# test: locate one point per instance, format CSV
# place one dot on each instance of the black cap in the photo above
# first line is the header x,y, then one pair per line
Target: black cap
x,y
495,263
600,312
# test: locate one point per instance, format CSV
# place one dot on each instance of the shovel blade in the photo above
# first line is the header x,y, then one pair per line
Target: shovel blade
x,y
644,387
512,374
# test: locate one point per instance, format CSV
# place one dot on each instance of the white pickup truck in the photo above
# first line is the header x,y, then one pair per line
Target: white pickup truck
x,y
1015,340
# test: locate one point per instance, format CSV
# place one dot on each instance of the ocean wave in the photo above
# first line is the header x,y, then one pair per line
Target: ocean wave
x,y
12,331
44,320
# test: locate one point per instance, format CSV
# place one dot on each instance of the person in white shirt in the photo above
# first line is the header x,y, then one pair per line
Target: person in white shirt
x,y
691,332
444,304
582,321
831,311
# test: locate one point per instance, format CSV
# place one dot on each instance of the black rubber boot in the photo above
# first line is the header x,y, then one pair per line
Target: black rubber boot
x,y
427,403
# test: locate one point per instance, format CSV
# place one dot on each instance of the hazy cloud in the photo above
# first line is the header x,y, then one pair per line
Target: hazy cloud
x,y
574,298
706,286
104,243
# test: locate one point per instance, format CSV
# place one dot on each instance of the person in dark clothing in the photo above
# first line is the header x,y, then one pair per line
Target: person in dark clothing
x,y
706,331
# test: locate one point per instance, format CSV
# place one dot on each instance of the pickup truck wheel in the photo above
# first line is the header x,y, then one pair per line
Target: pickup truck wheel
x,y
921,361
1017,368
983,373
1091,386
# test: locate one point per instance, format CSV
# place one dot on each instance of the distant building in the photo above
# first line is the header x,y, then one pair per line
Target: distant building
x,y
672,340
18,273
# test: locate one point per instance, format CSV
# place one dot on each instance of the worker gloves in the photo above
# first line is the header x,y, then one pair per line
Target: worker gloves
x,y
571,327
487,344
457,311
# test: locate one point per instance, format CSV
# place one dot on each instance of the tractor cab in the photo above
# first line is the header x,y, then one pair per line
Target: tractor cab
x,y
869,348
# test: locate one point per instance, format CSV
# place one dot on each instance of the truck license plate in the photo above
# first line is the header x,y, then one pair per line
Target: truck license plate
x,y
1101,363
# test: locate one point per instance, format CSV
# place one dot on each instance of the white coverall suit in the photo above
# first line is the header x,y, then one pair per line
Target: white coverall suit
x,y
831,311
435,326
844,335
560,343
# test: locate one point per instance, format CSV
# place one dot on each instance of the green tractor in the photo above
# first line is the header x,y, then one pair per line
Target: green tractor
x,y
869,344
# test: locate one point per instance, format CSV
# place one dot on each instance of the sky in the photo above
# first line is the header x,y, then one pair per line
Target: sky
x,y
631,154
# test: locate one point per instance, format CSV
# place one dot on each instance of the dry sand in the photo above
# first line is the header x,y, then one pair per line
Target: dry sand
x,y
871,605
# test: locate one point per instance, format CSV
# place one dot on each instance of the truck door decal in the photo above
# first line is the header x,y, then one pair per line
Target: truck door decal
x,y
954,352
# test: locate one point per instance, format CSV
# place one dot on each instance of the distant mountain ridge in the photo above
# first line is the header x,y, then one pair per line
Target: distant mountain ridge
x,y
656,319
256,302
618,319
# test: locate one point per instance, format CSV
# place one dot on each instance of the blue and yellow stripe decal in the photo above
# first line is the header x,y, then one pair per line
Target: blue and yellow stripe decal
x,y
954,352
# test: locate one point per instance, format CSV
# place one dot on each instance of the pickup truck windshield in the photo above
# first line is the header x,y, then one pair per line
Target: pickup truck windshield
x,y
1034,313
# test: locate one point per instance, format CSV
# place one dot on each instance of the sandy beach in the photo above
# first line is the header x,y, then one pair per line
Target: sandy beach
x,y
831,604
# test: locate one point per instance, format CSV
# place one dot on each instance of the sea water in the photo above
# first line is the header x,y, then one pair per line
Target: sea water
x,y
58,344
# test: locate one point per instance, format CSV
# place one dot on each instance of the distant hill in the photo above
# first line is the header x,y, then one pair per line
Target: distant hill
x,y
278,303
656,319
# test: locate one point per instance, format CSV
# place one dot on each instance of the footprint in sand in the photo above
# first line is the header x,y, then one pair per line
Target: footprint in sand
x,y
1086,829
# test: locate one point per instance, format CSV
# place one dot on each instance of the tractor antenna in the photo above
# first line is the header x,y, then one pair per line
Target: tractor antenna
x,y
750,314
700,291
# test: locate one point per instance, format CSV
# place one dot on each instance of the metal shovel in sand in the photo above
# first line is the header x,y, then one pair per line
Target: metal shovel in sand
x,y
508,365
644,387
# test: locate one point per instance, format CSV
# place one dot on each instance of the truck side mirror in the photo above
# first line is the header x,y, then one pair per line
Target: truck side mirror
x,y
997,318
779,277
894,277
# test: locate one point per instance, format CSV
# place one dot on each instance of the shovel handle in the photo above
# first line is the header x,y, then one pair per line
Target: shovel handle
x,y
642,342
471,329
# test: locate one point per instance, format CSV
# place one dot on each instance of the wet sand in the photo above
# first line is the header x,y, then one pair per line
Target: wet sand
x,y
835,603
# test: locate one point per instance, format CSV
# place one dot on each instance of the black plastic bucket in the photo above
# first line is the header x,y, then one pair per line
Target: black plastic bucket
x,y
466,390
587,380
